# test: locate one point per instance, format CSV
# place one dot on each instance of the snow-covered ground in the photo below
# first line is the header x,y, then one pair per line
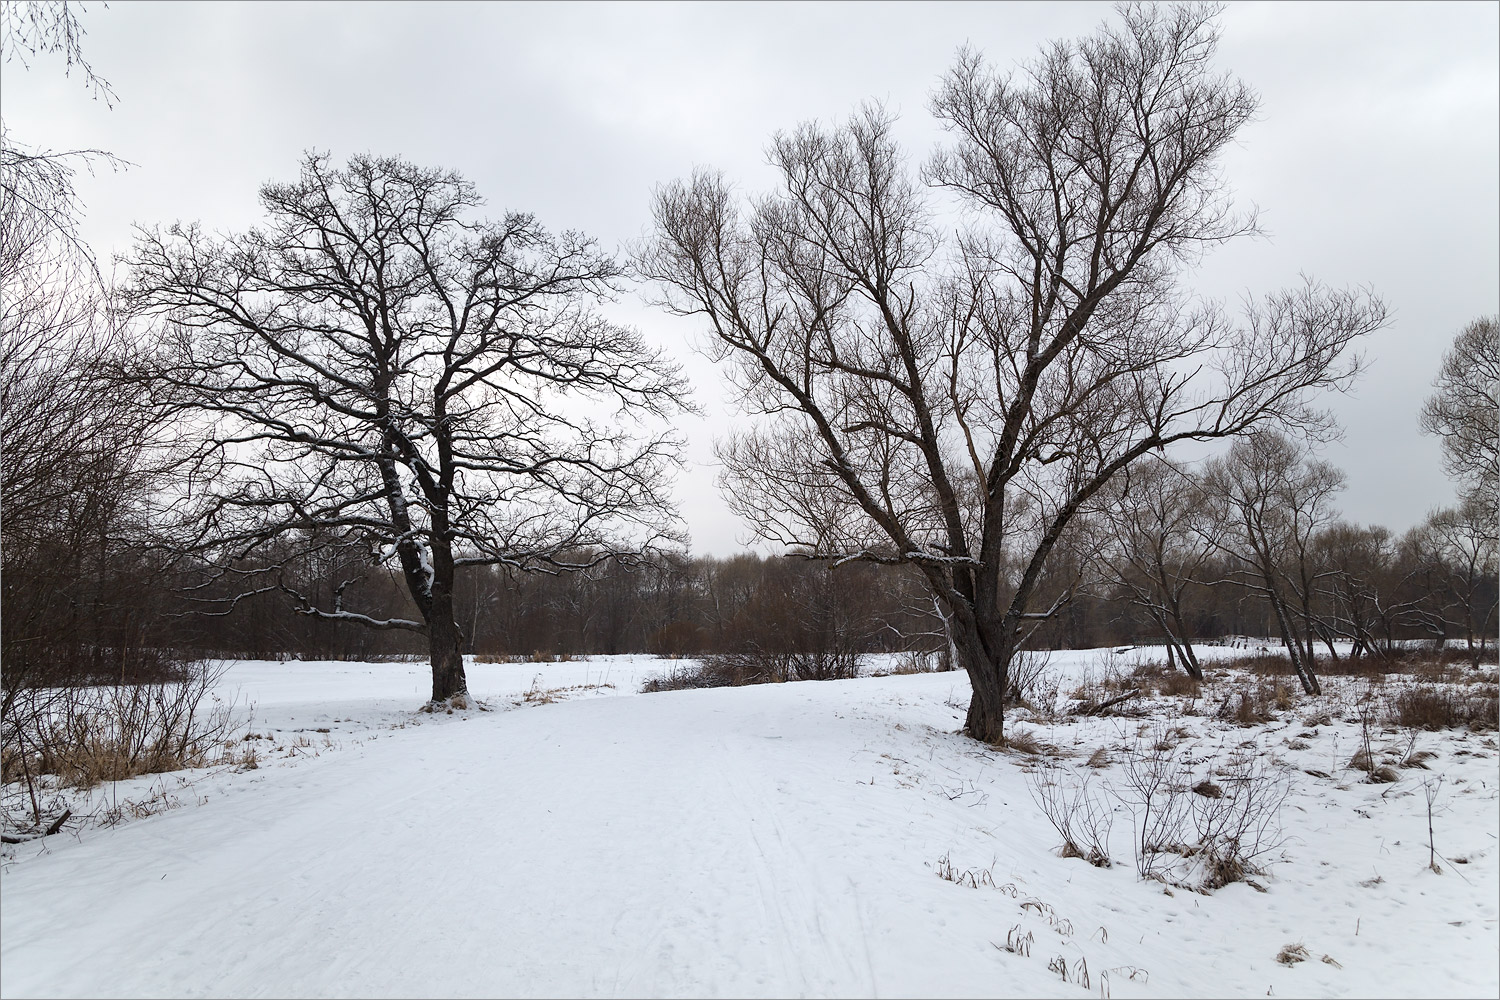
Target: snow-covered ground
x,y
782,840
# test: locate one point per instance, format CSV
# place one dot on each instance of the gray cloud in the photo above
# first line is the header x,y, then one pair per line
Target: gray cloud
x,y
1374,162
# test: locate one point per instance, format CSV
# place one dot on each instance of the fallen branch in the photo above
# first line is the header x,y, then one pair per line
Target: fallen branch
x,y
57,823
1104,706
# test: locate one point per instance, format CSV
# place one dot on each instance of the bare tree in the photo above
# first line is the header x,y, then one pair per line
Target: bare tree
x,y
955,402
74,465
378,368
1272,501
72,449
37,185
1158,549
1464,540
1465,413
1363,587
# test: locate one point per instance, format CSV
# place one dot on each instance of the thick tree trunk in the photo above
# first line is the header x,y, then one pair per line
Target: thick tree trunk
x,y
988,676
443,641
986,718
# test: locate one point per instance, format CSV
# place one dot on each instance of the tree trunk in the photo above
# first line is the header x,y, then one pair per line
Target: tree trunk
x,y
444,639
1302,668
1194,669
986,716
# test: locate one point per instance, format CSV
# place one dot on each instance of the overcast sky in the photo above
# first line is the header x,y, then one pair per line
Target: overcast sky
x,y
1376,159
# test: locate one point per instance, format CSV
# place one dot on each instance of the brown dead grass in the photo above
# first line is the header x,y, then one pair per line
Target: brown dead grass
x,y
1444,706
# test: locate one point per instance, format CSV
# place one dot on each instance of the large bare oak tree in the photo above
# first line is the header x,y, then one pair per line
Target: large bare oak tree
x,y
378,367
954,400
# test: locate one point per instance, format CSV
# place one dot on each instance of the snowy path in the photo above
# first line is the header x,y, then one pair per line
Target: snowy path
x,y
462,855
775,841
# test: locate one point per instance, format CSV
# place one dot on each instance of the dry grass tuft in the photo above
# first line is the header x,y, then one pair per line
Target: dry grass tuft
x,y
1379,773
1024,741
1164,679
1292,954
1418,758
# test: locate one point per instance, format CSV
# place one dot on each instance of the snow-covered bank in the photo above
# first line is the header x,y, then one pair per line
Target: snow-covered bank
x,y
763,841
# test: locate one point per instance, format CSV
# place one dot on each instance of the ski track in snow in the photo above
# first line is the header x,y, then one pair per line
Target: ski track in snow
x,y
766,841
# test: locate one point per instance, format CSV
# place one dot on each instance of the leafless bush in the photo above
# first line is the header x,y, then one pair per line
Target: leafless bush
x,y
704,673
1236,829
501,658
83,736
1364,758
1105,689
754,667
1101,679
1201,841
1272,664
1031,683
1125,704
1081,815
1156,779
772,667
916,661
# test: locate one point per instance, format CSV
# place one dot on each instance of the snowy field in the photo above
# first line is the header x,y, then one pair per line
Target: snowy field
x,y
815,839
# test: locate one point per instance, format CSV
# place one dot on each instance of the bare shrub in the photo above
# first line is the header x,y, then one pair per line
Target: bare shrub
x,y
83,736
1101,680
1032,684
1081,815
1236,829
1206,840
704,673
1104,689
916,661
1155,780
1266,664
500,658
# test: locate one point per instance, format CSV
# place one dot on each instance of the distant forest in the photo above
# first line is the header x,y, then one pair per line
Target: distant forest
x,y
1376,594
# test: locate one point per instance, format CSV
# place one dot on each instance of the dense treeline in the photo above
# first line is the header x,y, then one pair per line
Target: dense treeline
x,y
1373,589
